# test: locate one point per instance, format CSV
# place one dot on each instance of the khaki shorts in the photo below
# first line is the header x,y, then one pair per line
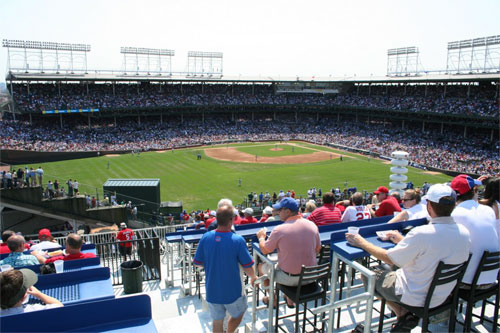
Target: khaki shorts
x,y
385,282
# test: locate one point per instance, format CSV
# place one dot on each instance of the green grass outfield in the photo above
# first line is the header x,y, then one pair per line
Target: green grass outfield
x,y
201,183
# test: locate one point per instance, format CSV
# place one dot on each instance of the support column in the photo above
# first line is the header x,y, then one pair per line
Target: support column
x,y
203,116
88,118
232,116
115,120
442,127
296,118
317,116
468,91
444,92
403,124
357,90
182,118
369,89
59,88
31,123
356,116
253,116
161,118
491,135
338,116
87,84
113,88
423,126
274,115
139,119
425,91
465,131
60,120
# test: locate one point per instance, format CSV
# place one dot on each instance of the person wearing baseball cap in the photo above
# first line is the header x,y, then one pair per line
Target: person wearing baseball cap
x,y
125,234
266,213
46,241
15,286
418,255
297,241
480,221
248,212
388,204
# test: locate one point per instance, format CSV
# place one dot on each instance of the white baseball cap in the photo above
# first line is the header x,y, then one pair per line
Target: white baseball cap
x,y
438,191
248,211
213,213
268,210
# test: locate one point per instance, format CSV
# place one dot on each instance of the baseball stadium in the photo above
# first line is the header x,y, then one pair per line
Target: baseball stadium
x,y
147,153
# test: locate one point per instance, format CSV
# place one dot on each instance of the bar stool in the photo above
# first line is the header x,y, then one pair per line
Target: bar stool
x,y
444,274
313,285
489,261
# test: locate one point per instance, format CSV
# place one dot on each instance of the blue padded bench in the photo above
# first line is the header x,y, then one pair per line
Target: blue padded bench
x,y
124,314
76,287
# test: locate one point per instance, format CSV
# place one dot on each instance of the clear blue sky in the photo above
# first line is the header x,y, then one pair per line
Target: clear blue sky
x,y
259,37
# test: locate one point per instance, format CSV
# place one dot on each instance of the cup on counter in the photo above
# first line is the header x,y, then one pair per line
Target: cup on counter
x,y
59,264
353,230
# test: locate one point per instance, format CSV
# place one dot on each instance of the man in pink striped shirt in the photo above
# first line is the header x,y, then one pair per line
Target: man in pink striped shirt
x,y
328,213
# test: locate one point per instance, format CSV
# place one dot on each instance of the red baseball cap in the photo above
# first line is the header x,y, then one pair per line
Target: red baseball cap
x,y
381,189
44,232
463,184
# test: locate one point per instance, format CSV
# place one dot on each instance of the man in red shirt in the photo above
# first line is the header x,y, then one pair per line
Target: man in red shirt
x,y
328,213
124,235
74,244
210,219
388,204
248,212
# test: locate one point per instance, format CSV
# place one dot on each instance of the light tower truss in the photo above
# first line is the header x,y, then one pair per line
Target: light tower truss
x,y
403,61
204,64
147,61
478,55
33,56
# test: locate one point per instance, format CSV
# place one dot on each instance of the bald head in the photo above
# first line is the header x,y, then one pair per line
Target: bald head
x,y
225,215
74,241
16,243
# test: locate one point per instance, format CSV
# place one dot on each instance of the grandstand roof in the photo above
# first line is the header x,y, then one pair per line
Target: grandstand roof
x,y
115,76
131,182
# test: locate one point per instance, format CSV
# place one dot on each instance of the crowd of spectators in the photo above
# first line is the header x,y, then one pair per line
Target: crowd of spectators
x,y
454,100
450,150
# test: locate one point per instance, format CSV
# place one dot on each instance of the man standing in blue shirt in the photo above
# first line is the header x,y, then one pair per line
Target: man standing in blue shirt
x,y
221,252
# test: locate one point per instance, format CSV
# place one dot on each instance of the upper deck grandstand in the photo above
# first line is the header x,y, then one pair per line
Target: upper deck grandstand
x,y
444,121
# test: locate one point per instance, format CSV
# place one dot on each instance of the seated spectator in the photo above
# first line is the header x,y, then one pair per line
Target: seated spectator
x,y
328,213
15,286
248,212
480,221
16,256
5,236
413,208
418,255
46,241
310,207
356,211
210,219
266,213
275,217
387,203
492,198
74,244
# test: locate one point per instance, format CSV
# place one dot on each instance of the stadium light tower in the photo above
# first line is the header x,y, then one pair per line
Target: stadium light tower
x,y
144,60
402,61
45,56
474,55
204,63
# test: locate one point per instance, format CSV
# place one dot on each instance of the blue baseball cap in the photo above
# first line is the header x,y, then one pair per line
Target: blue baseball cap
x,y
288,203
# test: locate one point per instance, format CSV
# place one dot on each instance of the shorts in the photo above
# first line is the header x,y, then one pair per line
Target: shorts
x,y
385,282
125,250
235,309
286,279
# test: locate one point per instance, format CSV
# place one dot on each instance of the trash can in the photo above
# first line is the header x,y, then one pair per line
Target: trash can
x,y
132,276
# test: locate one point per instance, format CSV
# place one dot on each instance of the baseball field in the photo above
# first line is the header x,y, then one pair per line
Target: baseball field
x,y
267,166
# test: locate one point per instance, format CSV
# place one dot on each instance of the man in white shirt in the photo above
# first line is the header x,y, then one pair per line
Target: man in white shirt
x,y
356,211
480,222
45,241
418,255
39,172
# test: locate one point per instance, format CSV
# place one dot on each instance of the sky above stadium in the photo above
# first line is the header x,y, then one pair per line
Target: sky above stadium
x,y
260,37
